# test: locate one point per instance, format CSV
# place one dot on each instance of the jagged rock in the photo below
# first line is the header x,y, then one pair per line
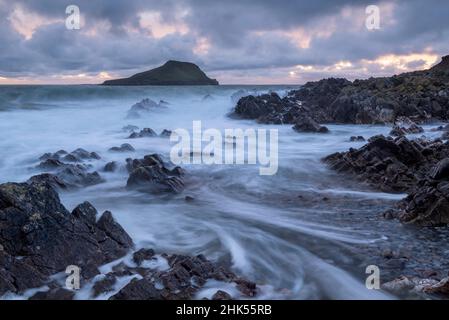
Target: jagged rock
x,y
144,133
68,175
36,227
142,255
402,131
125,147
441,170
390,165
252,107
78,155
77,176
426,206
85,155
165,133
144,106
50,164
221,295
141,289
110,166
150,174
49,178
306,124
104,285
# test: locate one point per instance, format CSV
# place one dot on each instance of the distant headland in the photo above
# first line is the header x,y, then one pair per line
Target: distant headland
x,y
172,73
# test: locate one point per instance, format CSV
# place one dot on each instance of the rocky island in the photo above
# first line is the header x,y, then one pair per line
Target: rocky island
x,y
172,73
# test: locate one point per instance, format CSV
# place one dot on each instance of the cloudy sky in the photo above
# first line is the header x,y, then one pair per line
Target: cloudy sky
x,y
235,41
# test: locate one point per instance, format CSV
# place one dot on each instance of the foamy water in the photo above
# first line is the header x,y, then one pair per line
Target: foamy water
x,y
290,232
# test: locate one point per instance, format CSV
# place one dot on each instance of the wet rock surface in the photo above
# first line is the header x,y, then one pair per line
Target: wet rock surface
x,y
144,133
306,124
125,147
68,170
183,278
40,237
419,167
151,174
144,107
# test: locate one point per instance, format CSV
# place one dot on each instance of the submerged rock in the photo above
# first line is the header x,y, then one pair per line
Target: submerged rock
x,y
306,124
165,133
402,131
144,133
110,167
145,106
357,139
125,147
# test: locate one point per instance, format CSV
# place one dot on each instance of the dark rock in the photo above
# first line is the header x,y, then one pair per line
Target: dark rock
x,y
141,289
184,278
49,178
357,139
441,170
189,199
402,131
104,285
390,165
50,164
114,231
87,211
77,176
221,295
36,226
246,287
306,124
142,107
144,133
110,166
151,174
71,158
125,147
165,133
86,155
142,255
427,206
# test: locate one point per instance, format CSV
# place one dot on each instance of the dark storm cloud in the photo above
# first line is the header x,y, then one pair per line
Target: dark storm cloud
x,y
241,35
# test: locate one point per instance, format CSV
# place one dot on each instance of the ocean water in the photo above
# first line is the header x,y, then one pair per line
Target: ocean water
x,y
304,233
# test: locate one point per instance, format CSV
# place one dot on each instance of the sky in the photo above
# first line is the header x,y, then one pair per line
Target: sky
x,y
234,41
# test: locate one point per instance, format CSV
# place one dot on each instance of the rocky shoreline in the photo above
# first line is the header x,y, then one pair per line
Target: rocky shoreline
x,y
40,238
394,164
